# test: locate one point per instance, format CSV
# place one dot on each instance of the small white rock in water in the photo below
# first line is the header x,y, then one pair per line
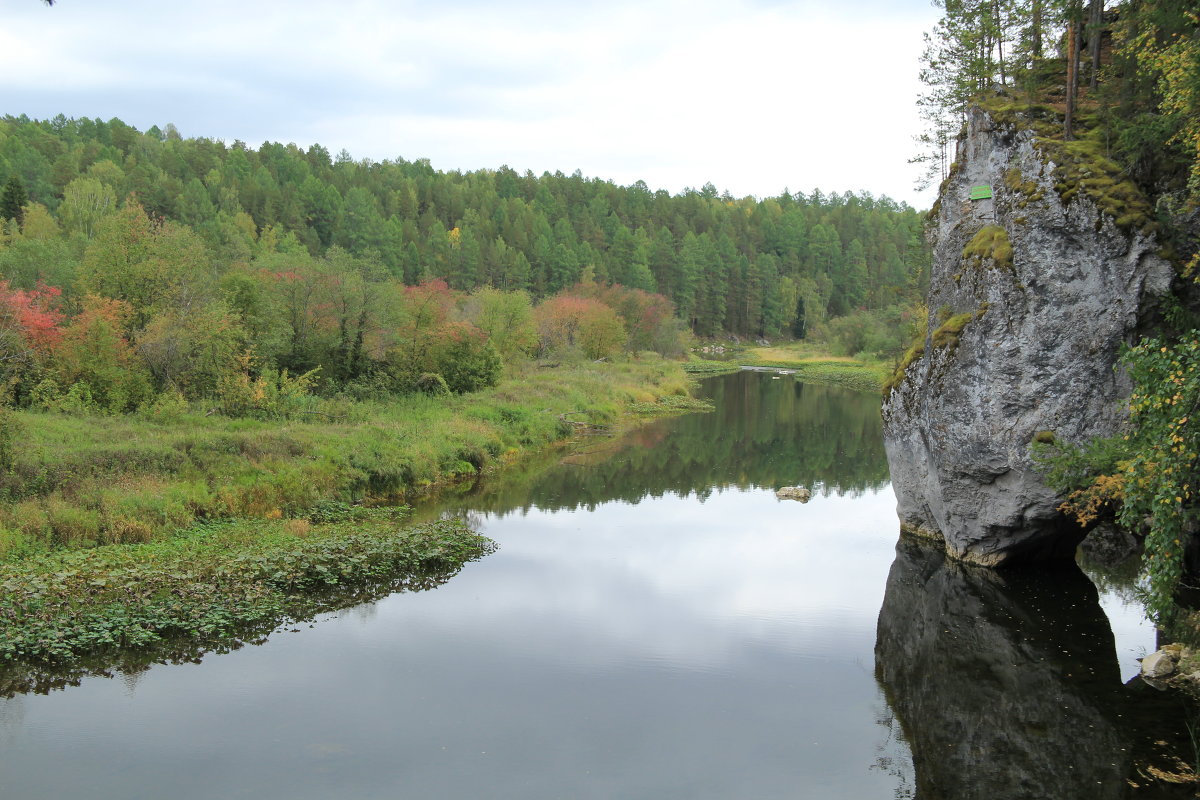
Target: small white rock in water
x,y
793,493
1158,665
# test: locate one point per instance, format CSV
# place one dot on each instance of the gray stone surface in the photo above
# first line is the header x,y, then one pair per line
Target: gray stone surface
x,y
1158,665
1109,545
1038,355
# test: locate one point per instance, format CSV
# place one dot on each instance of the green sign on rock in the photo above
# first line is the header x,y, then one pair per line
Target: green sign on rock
x,y
983,192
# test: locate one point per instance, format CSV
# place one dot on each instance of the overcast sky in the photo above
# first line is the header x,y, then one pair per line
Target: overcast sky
x,y
752,95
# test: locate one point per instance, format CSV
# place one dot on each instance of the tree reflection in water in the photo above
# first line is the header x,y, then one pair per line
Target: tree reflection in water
x,y
823,437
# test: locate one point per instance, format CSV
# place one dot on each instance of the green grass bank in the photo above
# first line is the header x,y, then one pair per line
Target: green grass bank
x,y
75,481
810,364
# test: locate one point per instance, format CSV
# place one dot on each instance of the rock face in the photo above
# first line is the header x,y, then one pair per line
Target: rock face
x,y
1031,298
1158,665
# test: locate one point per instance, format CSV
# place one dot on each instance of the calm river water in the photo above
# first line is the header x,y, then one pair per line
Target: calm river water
x,y
655,624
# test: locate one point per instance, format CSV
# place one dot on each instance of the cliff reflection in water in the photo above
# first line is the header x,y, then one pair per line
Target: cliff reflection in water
x,y
1007,685
818,436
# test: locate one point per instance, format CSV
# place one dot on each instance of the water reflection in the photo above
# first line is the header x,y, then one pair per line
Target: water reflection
x,y
21,677
764,432
1007,685
649,651
666,646
708,641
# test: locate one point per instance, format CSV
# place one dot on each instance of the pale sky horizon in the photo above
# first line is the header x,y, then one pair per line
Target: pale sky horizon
x,y
750,95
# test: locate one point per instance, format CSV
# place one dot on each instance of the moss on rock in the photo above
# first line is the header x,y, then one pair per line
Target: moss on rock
x,y
1081,167
1024,191
989,247
911,356
946,335
1011,112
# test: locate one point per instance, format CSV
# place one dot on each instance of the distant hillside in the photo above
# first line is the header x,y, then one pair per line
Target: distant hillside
x,y
744,266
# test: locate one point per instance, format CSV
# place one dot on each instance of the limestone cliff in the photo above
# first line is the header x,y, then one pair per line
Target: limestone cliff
x,y
1033,291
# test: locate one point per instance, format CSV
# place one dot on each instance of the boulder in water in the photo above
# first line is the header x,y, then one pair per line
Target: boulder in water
x,y
794,493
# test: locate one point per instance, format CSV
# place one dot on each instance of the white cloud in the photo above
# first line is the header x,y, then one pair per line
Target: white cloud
x,y
752,96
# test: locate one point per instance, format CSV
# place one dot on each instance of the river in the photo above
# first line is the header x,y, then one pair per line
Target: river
x,y
655,624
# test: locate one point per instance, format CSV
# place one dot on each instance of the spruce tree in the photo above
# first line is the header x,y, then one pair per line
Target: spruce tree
x,y
13,200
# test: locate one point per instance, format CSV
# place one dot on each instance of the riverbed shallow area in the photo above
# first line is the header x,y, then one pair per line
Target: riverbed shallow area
x,y
654,623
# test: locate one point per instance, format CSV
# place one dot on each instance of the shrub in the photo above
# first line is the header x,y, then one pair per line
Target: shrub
x,y
432,384
1147,475
95,355
271,395
566,322
470,364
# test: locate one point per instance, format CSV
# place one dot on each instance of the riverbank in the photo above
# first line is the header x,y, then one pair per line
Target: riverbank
x,y
809,364
134,539
815,366
79,481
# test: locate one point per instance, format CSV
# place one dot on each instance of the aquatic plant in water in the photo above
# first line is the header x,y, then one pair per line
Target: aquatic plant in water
x,y
78,611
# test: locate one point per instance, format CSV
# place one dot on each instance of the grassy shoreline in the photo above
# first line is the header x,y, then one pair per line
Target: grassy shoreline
x,y
809,364
817,366
88,481
860,377
130,540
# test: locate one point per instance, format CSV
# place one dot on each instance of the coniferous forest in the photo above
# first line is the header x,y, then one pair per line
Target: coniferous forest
x,y
194,253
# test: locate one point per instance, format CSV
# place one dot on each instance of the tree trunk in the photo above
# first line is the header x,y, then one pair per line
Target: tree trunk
x,y
1036,24
1072,77
1095,30
999,39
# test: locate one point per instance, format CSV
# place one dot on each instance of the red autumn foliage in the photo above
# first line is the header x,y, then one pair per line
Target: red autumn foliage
x,y
642,312
566,321
429,304
32,314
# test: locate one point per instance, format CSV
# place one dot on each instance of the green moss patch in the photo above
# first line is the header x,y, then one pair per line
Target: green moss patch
x,y
1024,191
1080,167
989,247
911,356
1011,112
946,334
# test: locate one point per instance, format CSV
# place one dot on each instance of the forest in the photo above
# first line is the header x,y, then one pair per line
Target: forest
x,y
1124,76
213,269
